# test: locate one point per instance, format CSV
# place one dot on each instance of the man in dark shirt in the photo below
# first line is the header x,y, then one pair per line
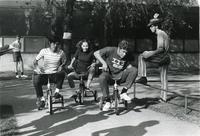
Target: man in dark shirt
x,y
115,64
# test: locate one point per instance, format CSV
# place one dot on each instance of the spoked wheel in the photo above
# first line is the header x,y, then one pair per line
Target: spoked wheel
x,y
50,105
116,100
95,95
101,103
62,101
80,96
126,104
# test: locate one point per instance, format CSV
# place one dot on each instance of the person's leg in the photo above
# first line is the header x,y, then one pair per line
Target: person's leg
x,y
59,79
104,79
142,70
38,81
90,76
22,66
128,77
16,69
15,63
71,76
141,66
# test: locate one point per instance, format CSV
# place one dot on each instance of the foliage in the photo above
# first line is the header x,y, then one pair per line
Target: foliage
x,y
122,18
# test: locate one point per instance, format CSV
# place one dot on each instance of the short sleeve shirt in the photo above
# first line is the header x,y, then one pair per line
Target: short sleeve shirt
x,y
83,60
52,60
115,64
17,46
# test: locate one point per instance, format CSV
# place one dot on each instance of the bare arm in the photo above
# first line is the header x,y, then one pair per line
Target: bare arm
x,y
37,69
35,63
99,58
72,61
160,47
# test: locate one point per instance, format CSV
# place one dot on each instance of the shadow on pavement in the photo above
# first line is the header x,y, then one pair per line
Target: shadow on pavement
x,y
137,104
139,130
45,125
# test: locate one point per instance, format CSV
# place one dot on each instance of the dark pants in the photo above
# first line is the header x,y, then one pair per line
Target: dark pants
x,y
128,77
75,76
42,79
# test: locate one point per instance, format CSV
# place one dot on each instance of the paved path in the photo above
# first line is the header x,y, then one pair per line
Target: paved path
x,y
87,120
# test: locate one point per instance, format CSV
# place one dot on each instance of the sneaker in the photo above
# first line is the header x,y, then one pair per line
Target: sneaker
x,y
87,89
107,106
71,83
142,80
74,96
17,76
40,104
24,76
57,95
125,97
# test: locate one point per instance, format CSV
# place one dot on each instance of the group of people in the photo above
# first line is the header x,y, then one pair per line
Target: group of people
x,y
113,60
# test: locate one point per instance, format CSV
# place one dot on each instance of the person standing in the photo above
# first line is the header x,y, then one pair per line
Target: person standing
x,y
159,56
17,58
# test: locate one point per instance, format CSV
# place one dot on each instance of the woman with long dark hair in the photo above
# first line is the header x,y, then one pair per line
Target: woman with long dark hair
x,y
82,62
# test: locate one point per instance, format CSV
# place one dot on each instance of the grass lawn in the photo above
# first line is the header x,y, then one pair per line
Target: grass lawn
x,y
8,123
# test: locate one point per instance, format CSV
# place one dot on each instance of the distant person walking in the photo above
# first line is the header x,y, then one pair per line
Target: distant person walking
x,y
17,58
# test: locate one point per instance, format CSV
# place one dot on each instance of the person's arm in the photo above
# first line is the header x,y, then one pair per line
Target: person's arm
x,y
37,69
101,60
63,62
70,66
72,61
160,48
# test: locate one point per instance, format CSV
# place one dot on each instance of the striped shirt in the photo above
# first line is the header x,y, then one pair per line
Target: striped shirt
x,y
52,60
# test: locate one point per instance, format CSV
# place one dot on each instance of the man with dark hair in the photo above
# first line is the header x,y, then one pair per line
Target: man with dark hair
x,y
115,64
54,60
17,58
159,56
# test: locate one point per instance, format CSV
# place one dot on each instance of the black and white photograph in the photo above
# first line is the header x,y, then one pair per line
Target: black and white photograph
x,y
99,68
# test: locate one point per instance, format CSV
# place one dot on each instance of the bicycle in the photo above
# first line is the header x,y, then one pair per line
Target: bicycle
x,y
50,99
115,98
82,90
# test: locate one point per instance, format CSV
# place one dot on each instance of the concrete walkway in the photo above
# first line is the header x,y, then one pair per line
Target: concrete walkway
x,y
88,120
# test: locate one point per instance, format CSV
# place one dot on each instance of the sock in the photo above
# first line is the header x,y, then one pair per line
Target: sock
x,y
42,98
22,73
16,73
57,90
124,90
107,99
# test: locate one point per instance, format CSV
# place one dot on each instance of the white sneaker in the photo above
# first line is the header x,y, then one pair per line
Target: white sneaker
x,y
17,76
107,106
24,76
125,97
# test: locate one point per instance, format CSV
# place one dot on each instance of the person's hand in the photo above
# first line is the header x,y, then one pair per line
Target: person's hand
x,y
104,67
70,67
147,54
92,65
60,68
10,46
39,70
